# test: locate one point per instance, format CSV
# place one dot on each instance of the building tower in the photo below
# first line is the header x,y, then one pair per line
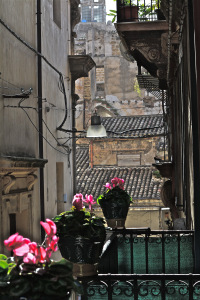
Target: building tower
x,y
93,11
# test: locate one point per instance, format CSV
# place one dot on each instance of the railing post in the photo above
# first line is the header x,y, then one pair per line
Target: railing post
x,y
190,287
163,290
109,287
118,14
179,253
135,289
147,252
131,249
163,252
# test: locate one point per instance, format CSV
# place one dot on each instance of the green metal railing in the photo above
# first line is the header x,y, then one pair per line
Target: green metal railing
x,y
138,251
142,287
141,264
139,10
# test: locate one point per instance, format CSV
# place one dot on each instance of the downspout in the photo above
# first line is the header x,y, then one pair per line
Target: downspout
x,y
75,97
40,124
194,8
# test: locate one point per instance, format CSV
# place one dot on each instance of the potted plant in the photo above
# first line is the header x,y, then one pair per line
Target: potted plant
x,y
127,11
131,10
115,203
31,273
81,236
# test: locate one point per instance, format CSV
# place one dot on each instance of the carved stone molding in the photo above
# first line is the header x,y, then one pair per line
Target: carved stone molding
x,y
154,55
80,65
147,43
31,180
75,13
8,182
16,203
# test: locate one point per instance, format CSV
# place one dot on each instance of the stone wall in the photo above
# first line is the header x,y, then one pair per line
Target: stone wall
x,y
124,152
114,90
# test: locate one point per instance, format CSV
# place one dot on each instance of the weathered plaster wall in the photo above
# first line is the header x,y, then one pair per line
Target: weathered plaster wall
x,y
19,132
106,152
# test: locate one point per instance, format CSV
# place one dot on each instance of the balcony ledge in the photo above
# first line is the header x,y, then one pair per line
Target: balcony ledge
x,y
142,26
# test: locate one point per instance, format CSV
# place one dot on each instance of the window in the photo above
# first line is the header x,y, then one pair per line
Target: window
x,y
57,12
98,12
100,82
131,160
86,13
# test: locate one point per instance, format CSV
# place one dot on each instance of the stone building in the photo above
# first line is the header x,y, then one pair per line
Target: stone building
x,y
36,80
128,153
113,91
112,88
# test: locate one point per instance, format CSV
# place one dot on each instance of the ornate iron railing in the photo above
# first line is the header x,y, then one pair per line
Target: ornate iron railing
x,y
139,10
142,287
148,251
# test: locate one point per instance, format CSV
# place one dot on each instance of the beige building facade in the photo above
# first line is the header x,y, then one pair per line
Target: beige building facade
x,y
36,169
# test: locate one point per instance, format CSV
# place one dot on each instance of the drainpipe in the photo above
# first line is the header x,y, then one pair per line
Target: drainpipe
x,y
40,125
194,59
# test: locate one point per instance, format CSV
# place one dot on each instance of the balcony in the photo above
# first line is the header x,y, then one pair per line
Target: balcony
x,y
143,264
143,30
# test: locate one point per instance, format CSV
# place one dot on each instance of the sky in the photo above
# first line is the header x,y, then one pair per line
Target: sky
x,y
110,4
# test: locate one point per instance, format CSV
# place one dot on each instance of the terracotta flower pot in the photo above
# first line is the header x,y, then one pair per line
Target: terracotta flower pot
x,y
128,13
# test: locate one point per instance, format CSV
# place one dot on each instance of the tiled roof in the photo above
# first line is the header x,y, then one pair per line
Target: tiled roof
x,y
137,126
138,180
82,159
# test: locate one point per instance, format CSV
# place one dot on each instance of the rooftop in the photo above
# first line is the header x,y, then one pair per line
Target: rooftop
x,y
137,126
139,182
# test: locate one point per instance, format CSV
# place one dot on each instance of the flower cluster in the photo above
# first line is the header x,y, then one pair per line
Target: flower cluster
x,y
31,252
78,200
115,182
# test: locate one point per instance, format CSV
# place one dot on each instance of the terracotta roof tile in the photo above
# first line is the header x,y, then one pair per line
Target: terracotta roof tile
x,y
137,126
138,180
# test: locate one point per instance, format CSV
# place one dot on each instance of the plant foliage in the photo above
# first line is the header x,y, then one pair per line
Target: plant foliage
x,y
80,223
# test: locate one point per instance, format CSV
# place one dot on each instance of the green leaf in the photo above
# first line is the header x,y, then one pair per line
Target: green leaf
x,y
3,266
3,257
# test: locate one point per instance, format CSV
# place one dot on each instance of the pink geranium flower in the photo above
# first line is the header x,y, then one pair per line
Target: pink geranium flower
x,y
89,200
118,182
40,254
77,202
52,244
108,186
29,258
18,244
31,252
49,227
114,181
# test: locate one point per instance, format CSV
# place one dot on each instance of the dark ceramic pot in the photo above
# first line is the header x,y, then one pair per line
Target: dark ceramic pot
x,y
115,213
82,252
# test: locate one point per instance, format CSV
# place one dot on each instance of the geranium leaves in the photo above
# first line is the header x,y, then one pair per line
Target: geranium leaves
x,y
80,223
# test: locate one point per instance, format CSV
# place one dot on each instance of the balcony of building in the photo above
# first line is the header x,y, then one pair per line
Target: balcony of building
x,y
143,30
144,264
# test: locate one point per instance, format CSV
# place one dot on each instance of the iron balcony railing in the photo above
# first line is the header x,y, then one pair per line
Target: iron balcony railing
x,y
144,264
139,10
142,287
146,251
